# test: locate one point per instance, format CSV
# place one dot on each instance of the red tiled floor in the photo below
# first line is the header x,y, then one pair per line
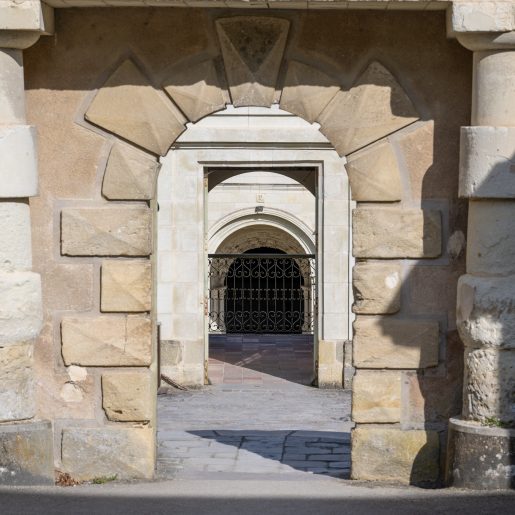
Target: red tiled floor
x,y
260,359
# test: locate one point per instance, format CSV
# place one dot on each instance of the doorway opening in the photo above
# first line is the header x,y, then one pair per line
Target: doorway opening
x,y
261,281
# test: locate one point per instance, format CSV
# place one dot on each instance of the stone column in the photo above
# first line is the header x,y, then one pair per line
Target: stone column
x,y
481,442
26,455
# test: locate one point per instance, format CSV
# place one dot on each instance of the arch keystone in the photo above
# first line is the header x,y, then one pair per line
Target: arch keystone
x,y
130,107
196,89
373,108
252,49
307,91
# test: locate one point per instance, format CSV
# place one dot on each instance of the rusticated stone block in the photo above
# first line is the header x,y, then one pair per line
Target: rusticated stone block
x,y
196,89
126,286
393,455
106,231
307,91
374,174
128,396
130,174
489,385
16,383
125,452
396,233
26,454
129,106
21,307
252,49
401,344
107,341
376,396
373,108
377,288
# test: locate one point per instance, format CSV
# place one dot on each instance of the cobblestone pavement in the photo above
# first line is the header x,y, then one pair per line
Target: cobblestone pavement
x,y
249,431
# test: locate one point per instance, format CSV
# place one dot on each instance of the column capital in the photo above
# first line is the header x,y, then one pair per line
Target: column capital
x,y
482,25
22,22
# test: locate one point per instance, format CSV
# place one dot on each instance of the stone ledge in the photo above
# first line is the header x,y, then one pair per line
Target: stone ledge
x,y
26,453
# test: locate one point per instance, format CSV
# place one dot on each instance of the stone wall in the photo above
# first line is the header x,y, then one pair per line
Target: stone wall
x,y
389,91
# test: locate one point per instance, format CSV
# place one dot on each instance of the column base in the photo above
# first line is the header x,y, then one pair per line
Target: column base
x,y
26,453
480,457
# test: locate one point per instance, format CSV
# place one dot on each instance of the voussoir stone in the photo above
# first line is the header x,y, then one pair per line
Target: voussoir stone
x,y
106,231
377,288
126,286
374,174
394,455
130,174
196,89
373,108
252,49
400,344
127,453
127,396
396,233
486,311
129,106
16,382
107,341
307,91
376,396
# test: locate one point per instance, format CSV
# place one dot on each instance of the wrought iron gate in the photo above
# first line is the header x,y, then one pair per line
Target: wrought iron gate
x,y
261,293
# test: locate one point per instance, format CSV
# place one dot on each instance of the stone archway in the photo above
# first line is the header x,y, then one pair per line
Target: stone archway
x,y
146,120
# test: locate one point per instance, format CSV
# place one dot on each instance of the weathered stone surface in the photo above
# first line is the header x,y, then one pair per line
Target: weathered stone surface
x,y
374,174
252,48
386,343
489,385
130,174
395,455
377,288
479,457
473,16
18,163
21,314
307,91
12,103
183,361
330,363
373,108
491,238
396,233
126,286
16,383
26,454
128,396
196,89
15,241
106,231
129,106
487,163
486,311
125,452
107,341
376,396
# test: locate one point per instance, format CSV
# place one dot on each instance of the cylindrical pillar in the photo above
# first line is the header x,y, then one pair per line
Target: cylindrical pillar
x,y
481,441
